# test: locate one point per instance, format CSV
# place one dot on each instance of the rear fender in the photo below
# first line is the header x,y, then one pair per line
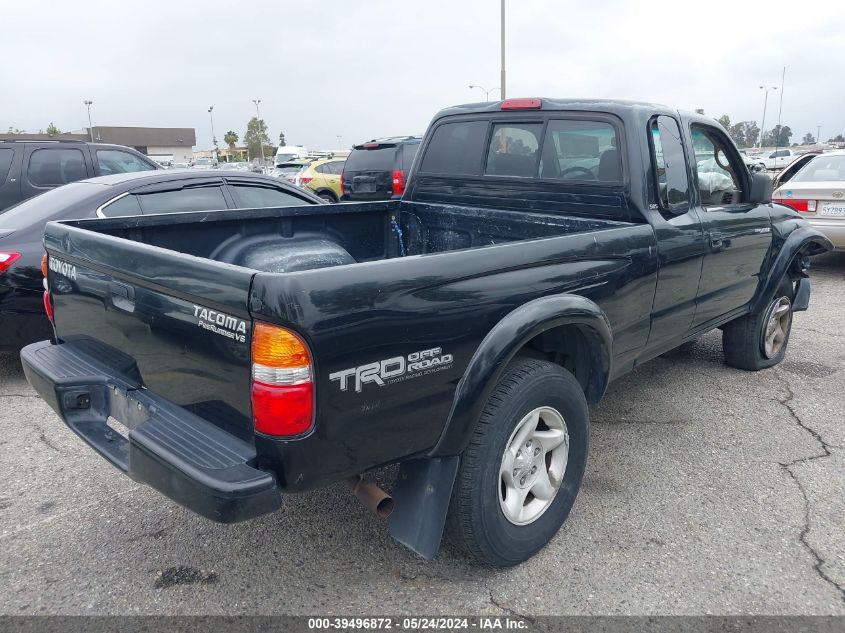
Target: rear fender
x,y
506,339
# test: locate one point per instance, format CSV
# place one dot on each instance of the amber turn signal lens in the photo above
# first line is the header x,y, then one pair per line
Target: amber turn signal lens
x,y
44,265
273,346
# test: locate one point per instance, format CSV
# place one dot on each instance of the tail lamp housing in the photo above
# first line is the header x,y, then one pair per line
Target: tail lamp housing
x,y
282,382
398,182
805,206
7,259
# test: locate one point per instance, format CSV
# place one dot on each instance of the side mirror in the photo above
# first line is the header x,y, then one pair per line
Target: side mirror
x,y
761,188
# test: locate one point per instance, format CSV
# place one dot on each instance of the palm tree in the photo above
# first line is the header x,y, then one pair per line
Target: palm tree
x,y
230,138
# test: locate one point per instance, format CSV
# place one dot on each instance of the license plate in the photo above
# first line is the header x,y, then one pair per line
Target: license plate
x,y
364,186
832,210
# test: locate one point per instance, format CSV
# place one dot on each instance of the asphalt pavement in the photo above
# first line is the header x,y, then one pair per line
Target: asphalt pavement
x,y
709,490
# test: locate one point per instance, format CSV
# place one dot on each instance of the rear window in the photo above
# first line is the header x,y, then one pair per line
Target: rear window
x,y
377,159
455,149
514,150
823,169
581,150
50,205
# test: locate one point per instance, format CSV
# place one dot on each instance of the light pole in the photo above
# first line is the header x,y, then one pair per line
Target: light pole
x,y
260,131
88,105
765,101
339,141
486,91
818,134
213,137
502,89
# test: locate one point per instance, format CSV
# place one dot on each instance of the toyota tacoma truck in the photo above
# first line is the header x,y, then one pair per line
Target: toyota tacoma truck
x,y
542,249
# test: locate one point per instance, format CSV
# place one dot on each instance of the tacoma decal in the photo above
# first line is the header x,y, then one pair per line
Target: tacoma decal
x,y
221,323
393,370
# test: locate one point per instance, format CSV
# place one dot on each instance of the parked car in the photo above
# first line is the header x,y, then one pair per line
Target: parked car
x,y
323,178
777,159
378,169
542,249
204,164
22,316
817,192
287,153
786,174
29,168
290,170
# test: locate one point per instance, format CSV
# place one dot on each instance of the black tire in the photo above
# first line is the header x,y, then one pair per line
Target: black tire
x,y
476,522
743,339
327,197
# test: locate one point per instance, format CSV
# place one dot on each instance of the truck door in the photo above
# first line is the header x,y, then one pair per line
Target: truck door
x,y
738,233
680,238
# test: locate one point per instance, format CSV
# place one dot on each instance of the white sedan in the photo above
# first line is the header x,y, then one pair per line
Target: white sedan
x,y
817,191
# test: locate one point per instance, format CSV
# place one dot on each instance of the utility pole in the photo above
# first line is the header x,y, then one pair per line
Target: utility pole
x,y
88,105
502,89
213,137
765,101
260,131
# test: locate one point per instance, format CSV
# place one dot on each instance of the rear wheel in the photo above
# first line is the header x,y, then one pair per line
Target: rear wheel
x,y
521,472
757,341
327,197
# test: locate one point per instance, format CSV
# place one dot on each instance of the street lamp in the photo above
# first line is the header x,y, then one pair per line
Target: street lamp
x,y
818,134
88,105
339,141
258,123
486,91
763,122
213,137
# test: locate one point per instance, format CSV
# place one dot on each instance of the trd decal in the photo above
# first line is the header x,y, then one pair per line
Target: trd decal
x,y
392,370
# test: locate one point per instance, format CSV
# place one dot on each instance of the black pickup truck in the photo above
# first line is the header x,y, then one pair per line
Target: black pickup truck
x,y
542,249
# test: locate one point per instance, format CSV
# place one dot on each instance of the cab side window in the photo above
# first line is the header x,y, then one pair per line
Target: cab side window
x,y
717,171
51,167
669,165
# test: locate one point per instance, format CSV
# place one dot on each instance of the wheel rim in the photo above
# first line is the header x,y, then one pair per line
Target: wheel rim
x,y
778,322
533,465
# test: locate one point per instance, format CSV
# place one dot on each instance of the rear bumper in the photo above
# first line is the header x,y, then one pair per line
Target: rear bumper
x,y
833,229
188,459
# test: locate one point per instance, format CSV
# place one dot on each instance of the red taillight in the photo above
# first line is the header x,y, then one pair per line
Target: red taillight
x,y
341,183
282,386
807,206
521,104
48,306
7,259
304,180
398,182
370,145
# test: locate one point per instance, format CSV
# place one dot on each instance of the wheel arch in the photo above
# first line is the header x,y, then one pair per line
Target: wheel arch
x,y
569,325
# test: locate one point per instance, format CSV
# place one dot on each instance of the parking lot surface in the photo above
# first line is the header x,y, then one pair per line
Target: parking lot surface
x,y
709,491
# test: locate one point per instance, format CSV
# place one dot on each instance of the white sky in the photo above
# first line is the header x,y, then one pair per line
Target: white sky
x,y
379,67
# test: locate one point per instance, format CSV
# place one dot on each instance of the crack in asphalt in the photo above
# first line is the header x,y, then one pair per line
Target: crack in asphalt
x,y
504,608
805,530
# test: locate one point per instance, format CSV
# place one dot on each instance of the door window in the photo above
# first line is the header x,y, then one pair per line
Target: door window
x,y
669,165
258,197
716,169
115,161
5,163
125,205
514,150
51,167
208,198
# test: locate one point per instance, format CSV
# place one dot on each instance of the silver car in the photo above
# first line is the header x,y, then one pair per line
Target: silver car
x,y
817,191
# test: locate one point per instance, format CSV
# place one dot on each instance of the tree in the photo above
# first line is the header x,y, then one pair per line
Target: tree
x,y
256,136
808,139
838,139
725,122
230,138
778,136
744,133
52,130
282,139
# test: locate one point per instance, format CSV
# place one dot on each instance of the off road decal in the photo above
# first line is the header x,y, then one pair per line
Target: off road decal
x,y
393,370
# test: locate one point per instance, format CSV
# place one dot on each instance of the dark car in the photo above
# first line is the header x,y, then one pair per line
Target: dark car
x,y
379,169
22,316
29,168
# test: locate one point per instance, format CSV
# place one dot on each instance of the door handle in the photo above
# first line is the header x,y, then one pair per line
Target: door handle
x,y
122,296
717,241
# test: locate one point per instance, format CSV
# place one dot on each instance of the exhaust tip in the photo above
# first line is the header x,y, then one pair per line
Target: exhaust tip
x,y
372,497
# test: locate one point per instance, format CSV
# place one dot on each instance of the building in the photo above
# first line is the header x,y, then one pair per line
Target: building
x,y
162,144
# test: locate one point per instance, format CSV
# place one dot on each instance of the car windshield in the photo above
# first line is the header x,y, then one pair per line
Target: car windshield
x,y
822,169
47,205
283,158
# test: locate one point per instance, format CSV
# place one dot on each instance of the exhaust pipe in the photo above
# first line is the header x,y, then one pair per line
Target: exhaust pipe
x,y
374,498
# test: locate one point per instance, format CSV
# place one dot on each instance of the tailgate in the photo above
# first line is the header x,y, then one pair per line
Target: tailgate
x,y
182,320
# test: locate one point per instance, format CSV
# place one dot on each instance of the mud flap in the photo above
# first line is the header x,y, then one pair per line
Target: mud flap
x,y
422,492
802,295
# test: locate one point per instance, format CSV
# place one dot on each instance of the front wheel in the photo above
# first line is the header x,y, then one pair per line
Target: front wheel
x,y
521,472
757,341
